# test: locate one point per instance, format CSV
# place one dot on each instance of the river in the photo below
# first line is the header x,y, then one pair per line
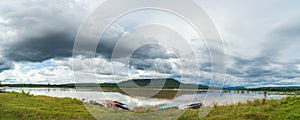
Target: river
x,y
224,98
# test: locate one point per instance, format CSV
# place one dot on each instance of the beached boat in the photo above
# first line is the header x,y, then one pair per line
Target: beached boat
x,y
116,105
96,103
195,105
168,106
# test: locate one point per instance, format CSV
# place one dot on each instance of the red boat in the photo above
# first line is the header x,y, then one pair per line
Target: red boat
x,y
116,105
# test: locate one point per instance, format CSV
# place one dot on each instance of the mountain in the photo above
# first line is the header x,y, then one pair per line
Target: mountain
x,y
157,85
167,83
150,83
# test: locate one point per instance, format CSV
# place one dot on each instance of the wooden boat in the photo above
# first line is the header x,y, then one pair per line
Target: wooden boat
x,y
195,105
119,103
96,103
168,106
116,105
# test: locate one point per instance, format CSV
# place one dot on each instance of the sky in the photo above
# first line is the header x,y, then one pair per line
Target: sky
x,y
261,41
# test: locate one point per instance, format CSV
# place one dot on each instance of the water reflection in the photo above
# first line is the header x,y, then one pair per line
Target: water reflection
x,y
134,101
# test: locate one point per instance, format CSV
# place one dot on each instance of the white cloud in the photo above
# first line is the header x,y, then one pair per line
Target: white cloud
x,y
49,74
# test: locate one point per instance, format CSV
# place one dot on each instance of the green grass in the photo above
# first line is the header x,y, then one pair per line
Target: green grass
x,y
22,106
283,109
17,106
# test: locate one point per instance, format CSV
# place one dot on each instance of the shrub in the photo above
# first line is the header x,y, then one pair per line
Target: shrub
x,y
263,101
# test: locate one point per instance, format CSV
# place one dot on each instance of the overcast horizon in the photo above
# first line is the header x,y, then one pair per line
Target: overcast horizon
x,y
261,41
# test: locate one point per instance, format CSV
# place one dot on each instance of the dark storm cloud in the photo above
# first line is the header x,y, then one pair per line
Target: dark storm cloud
x,y
117,43
261,67
267,68
153,51
47,29
159,65
206,67
153,56
264,71
52,45
5,65
43,29
282,37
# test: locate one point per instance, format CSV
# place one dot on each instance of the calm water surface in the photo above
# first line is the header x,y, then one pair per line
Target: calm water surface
x,y
134,101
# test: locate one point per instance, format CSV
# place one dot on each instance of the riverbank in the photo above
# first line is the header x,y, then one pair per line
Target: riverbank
x,y
25,106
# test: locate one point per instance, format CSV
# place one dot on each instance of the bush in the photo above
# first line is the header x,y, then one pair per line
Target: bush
x,y
263,101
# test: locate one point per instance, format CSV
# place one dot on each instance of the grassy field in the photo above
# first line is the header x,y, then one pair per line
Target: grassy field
x,y
282,109
17,106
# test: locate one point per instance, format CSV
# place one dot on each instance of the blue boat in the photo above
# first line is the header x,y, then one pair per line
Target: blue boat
x,y
169,106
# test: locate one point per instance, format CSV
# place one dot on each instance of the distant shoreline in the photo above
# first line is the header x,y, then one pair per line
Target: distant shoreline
x,y
116,88
168,84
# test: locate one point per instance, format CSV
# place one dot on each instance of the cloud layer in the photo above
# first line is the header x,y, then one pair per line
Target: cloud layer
x,y
37,38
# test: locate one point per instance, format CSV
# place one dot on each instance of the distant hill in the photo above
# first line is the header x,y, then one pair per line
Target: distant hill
x,y
167,83
277,88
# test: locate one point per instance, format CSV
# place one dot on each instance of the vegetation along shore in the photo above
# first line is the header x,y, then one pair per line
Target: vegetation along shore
x,y
15,106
